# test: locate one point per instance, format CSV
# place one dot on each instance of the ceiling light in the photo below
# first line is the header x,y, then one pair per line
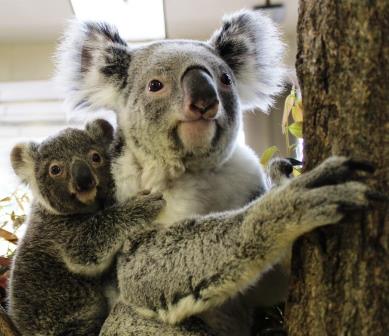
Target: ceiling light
x,y
137,20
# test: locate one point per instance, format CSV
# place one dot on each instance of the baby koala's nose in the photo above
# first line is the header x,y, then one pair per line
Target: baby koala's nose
x,y
83,177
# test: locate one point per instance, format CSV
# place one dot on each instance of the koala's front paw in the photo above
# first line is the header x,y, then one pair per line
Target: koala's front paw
x,y
150,204
326,193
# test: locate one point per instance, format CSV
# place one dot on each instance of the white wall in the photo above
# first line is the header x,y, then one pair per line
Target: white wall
x,y
26,61
23,61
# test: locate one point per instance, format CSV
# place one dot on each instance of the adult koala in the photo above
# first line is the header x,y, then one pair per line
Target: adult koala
x,y
179,107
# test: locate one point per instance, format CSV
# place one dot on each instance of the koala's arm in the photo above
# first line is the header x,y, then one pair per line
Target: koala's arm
x,y
199,263
94,240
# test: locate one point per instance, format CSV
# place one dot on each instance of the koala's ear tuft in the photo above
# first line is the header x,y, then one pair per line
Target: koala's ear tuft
x,y
250,43
101,131
92,65
23,157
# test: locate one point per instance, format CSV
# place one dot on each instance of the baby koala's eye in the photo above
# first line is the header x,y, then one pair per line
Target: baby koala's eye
x,y
95,157
155,85
226,79
55,170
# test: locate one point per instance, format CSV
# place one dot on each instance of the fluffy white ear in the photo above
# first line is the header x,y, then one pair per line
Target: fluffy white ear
x,y
249,42
23,158
92,65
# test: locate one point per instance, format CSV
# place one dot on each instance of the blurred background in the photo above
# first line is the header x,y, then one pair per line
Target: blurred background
x,y
31,108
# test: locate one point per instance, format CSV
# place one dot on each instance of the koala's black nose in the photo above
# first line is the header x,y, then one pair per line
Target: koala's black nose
x,y
82,176
200,95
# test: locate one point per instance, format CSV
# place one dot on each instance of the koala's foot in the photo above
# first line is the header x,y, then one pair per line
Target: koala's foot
x,y
124,321
279,171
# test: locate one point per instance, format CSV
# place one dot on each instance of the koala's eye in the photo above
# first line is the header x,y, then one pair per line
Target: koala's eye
x,y
55,170
155,85
95,157
226,79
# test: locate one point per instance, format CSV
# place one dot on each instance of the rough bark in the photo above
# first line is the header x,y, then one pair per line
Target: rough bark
x,y
340,282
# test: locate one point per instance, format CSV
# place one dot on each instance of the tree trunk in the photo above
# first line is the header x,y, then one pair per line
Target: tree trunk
x,y
340,281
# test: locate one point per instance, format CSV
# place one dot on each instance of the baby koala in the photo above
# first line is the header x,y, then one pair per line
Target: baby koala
x,y
74,231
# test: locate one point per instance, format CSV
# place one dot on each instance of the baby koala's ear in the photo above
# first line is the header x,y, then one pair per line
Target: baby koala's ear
x,y
23,157
101,131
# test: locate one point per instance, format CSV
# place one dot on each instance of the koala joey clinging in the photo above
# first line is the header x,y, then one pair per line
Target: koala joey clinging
x,y
74,231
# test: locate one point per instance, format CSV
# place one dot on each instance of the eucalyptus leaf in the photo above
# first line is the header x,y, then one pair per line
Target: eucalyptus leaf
x,y
268,154
289,103
297,112
296,172
296,129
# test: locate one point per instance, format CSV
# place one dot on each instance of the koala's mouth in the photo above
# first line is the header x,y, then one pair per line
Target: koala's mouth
x,y
197,134
86,197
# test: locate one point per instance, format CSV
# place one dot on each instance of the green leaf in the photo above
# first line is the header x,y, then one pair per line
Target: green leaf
x,y
296,129
289,103
296,171
268,154
297,112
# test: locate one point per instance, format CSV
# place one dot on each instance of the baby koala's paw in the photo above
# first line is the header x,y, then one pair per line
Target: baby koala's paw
x,y
150,204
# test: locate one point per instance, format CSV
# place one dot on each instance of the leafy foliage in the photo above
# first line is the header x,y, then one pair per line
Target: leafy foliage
x,y
292,107
13,210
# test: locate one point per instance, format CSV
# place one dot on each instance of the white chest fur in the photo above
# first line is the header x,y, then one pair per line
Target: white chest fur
x,y
225,188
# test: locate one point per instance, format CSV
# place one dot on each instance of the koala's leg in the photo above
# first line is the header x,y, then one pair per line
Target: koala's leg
x,y
233,318
124,321
70,305
86,320
279,171
198,264
96,239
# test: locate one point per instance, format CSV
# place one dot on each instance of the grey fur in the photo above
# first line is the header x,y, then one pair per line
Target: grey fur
x,y
210,260
57,277
279,171
212,255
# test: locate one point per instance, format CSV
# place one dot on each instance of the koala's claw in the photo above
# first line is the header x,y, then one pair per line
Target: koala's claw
x,y
362,165
294,162
335,170
377,196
